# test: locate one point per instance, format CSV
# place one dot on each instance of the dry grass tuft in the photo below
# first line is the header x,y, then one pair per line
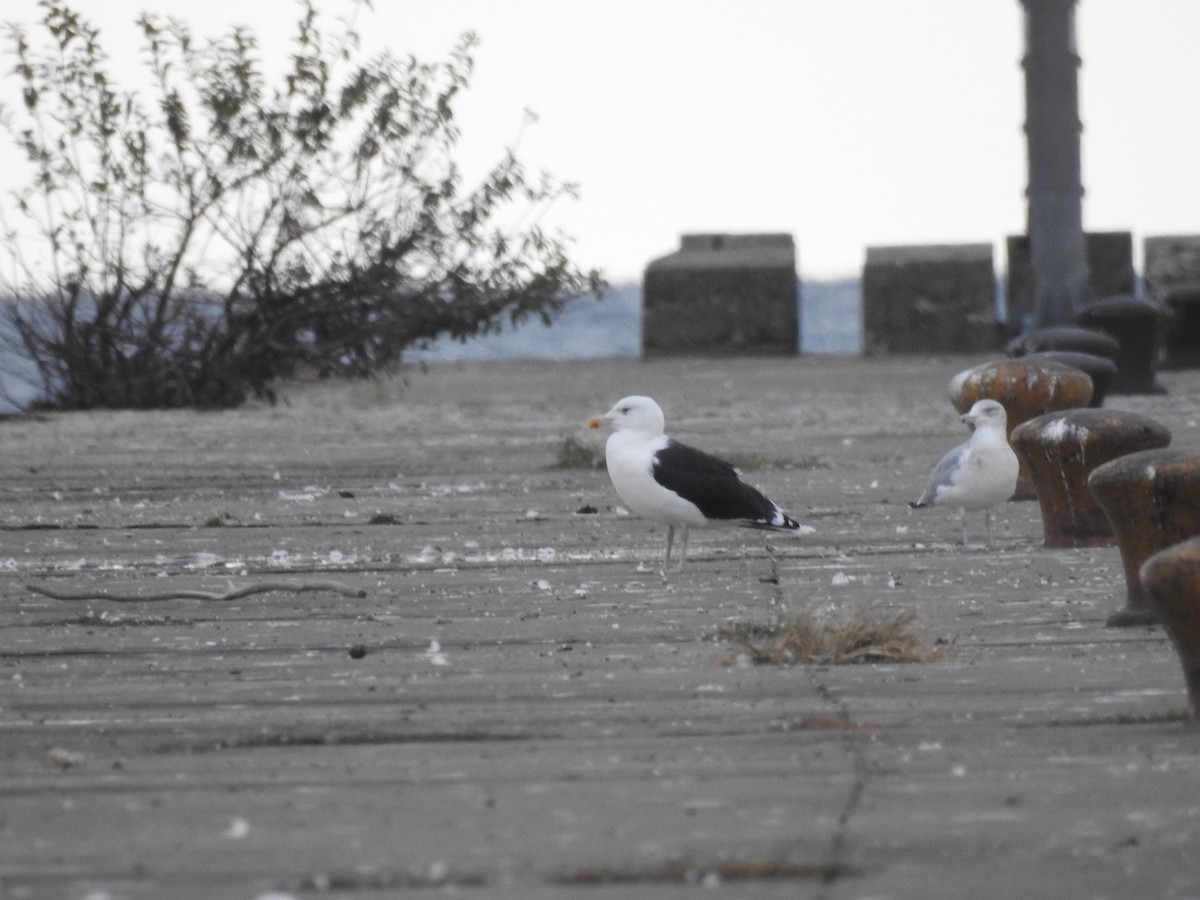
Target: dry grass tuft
x,y
577,453
864,636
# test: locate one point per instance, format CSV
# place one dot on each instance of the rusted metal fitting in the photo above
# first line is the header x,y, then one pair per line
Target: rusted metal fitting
x,y
1171,583
1061,449
1152,500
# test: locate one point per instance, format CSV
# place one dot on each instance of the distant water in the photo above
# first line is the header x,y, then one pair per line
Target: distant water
x,y
829,314
829,323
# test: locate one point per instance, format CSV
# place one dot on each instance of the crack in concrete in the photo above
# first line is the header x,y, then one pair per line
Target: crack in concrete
x,y
853,742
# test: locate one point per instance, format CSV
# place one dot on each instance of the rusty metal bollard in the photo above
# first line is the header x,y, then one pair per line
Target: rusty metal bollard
x,y
1152,500
1171,582
1138,325
1101,369
1070,338
1025,389
1061,449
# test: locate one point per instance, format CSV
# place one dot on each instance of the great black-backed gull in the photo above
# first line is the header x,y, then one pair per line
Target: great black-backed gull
x,y
666,481
979,473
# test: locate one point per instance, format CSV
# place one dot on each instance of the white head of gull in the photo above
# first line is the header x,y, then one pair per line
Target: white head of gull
x,y
661,479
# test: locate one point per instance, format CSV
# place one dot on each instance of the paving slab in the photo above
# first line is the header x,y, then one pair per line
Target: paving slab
x,y
515,701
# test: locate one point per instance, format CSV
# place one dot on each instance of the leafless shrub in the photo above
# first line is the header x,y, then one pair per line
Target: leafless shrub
x,y
192,248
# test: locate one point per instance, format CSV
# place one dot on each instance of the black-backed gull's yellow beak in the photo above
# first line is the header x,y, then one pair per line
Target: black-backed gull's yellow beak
x,y
595,422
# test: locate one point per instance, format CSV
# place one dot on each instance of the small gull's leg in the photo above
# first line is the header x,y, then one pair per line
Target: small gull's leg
x,y
670,542
683,541
987,521
962,519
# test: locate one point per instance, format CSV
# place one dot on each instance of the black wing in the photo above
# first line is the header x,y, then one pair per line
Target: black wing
x,y
710,483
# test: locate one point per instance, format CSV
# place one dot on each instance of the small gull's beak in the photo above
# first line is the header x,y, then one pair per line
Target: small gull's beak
x,y
595,422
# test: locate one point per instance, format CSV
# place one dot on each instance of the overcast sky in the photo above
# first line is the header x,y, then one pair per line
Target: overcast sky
x,y
847,123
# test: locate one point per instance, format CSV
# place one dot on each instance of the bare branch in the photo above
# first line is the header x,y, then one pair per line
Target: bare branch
x,y
233,594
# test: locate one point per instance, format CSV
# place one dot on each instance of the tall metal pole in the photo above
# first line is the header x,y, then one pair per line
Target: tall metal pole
x,y
1052,131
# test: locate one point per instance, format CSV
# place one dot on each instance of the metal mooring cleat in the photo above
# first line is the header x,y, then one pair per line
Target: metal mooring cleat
x,y
1060,449
1171,582
1152,500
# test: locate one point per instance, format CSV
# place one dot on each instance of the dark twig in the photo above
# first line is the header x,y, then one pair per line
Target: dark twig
x,y
235,594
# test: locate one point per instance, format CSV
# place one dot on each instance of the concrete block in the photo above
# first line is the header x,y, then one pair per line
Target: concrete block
x,y
723,294
1170,260
937,298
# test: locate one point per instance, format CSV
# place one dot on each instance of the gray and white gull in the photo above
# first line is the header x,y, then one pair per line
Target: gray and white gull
x,y
977,474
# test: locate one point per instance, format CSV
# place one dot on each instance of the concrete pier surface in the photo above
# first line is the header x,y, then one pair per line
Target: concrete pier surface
x,y
520,703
